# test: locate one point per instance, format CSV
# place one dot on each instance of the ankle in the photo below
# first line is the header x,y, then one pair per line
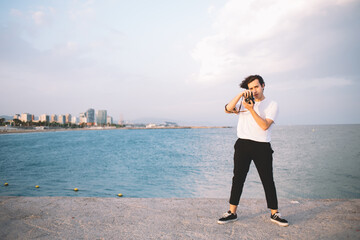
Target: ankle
x,y
274,211
233,208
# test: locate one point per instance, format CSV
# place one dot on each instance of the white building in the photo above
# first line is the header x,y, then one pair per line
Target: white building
x,y
74,120
26,117
68,118
82,118
44,118
109,120
53,118
61,119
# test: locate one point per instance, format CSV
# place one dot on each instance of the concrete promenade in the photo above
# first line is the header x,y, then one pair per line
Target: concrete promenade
x,y
189,218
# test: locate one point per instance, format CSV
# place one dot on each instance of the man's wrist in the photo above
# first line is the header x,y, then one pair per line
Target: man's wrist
x,y
226,109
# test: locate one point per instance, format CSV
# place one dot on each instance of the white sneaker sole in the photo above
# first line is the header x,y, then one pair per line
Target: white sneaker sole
x,y
279,223
229,221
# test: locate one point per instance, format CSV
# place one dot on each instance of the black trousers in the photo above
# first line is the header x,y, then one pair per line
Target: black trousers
x,y
261,154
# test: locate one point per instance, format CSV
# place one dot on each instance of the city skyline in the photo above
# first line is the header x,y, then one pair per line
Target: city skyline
x,y
100,118
180,61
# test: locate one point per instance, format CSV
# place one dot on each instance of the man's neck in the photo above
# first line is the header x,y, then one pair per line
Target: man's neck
x,y
260,99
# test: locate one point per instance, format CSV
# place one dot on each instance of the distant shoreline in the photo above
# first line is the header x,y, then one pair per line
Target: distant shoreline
x,y
13,130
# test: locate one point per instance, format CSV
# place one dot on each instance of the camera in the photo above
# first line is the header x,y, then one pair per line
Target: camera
x,y
250,98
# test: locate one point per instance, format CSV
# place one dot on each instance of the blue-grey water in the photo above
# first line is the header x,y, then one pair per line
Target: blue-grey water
x,y
309,162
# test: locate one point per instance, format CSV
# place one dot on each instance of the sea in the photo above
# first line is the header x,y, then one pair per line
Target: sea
x,y
310,162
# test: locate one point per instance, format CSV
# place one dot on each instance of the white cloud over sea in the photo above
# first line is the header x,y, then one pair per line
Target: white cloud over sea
x,y
181,61
272,37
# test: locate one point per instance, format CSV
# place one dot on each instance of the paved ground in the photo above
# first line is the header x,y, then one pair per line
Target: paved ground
x,y
135,218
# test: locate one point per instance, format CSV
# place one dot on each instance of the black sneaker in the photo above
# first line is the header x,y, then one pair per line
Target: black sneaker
x,y
276,218
227,218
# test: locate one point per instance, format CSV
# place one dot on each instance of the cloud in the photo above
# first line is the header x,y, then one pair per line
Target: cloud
x,y
16,13
316,84
69,49
38,17
211,9
43,16
270,37
82,11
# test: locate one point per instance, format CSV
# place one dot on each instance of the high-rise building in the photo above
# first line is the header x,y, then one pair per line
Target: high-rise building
x,y
74,120
82,118
61,119
54,118
68,118
109,120
101,117
17,116
90,115
44,118
26,117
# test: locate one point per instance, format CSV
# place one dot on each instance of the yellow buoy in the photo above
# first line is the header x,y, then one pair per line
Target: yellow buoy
x,y
120,195
75,189
37,186
6,184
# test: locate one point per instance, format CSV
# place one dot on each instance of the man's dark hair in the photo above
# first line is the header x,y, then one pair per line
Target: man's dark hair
x,y
249,79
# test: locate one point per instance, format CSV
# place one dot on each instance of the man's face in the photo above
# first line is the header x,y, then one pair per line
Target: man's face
x,y
256,89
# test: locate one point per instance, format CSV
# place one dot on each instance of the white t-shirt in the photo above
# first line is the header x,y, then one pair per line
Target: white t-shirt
x,y
247,127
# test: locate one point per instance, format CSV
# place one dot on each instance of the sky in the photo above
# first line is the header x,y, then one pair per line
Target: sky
x,y
180,61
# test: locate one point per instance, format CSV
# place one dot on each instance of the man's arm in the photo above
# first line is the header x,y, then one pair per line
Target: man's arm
x,y
263,123
229,108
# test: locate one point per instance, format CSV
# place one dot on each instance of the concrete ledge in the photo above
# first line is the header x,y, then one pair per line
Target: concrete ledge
x,y
148,218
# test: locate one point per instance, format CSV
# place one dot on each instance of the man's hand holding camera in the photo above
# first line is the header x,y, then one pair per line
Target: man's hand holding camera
x,y
249,100
248,103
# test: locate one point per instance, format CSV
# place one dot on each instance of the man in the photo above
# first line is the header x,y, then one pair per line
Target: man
x,y
254,135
